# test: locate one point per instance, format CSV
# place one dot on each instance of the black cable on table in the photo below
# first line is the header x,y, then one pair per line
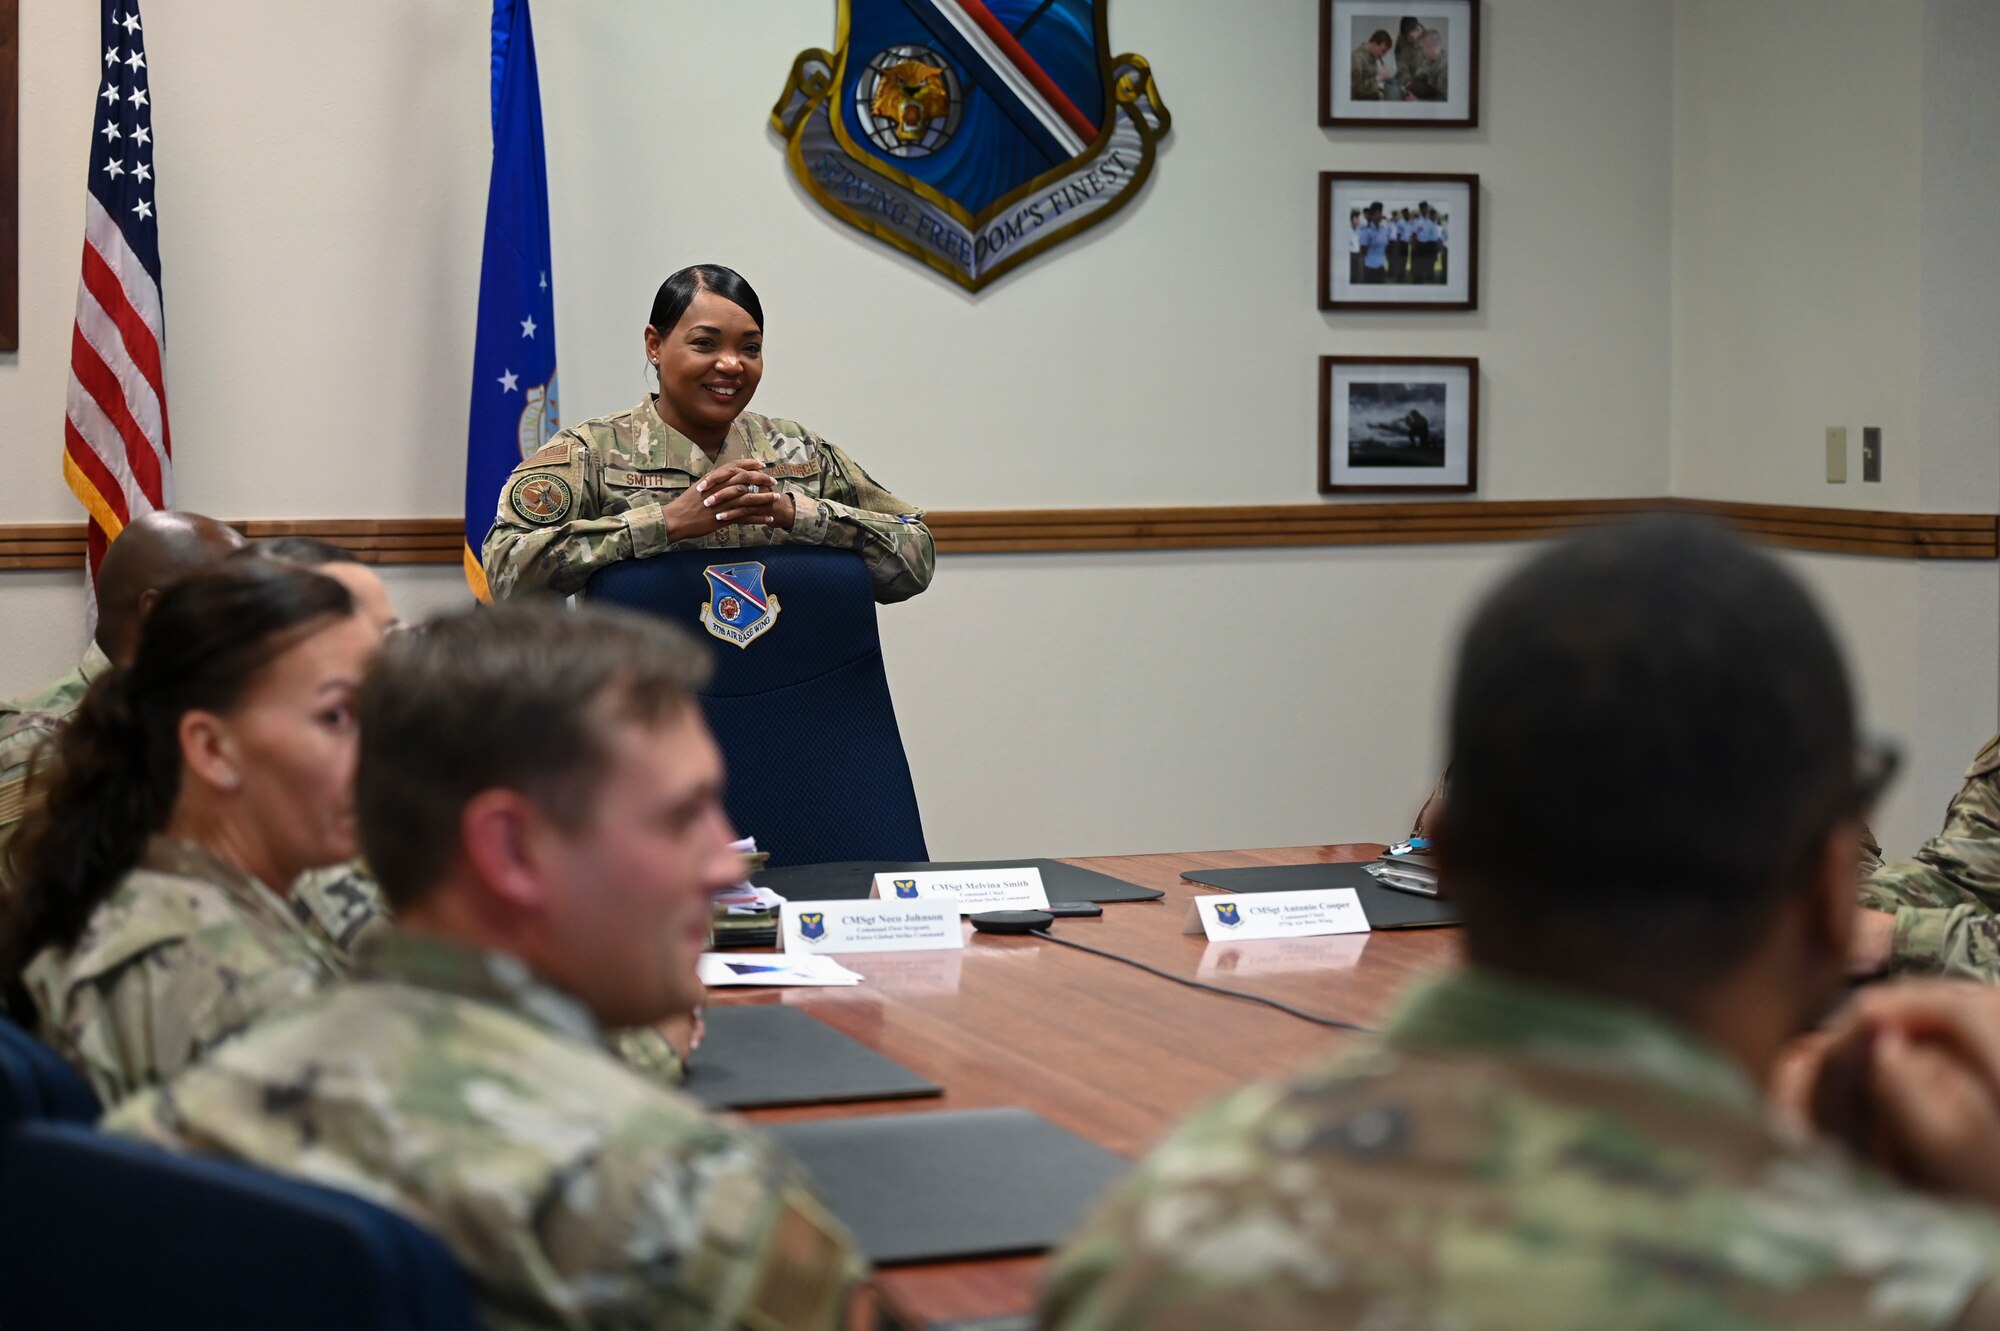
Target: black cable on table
x,y
1286,1008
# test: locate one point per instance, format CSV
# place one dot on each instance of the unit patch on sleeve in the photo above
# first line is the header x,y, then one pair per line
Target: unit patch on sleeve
x,y
541,498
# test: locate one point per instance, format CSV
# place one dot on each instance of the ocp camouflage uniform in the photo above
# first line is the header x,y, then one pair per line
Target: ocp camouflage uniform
x,y
1429,80
597,494
1365,83
451,1085
1946,898
1409,58
26,722
344,905
1510,1156
186,952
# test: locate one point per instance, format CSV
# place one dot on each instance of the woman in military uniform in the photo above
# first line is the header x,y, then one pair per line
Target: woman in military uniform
x,y
690,468
191,788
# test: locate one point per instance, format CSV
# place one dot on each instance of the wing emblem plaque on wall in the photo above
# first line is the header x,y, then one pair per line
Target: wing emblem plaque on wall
x,y
973,134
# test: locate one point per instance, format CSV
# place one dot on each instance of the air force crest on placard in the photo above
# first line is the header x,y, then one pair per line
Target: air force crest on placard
x,y
739,610
973,134
906,888
1225,913
812,925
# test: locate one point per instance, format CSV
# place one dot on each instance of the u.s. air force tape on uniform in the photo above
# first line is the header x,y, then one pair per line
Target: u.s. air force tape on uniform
x,y
1326,910
975,890
870,926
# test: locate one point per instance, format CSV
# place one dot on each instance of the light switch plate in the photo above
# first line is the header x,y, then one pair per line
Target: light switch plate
x,y
1836,455
1871,453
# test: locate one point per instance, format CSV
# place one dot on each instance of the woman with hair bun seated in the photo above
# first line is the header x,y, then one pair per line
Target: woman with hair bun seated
x,y
690,468
191,789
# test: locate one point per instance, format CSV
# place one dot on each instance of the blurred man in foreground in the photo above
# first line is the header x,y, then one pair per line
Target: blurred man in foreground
x,y
1652,831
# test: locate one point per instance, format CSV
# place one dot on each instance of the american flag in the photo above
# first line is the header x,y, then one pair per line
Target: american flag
x,y
117,455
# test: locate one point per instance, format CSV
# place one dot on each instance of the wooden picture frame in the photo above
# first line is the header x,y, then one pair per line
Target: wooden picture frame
x,y
1413,88
1437,219
1398,424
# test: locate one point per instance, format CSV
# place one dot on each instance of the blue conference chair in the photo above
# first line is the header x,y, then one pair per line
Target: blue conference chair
x,y
817,771
35,1082
105,1234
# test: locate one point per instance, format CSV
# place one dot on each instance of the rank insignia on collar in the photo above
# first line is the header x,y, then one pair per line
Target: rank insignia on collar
x,y
973,134
739,610
541,498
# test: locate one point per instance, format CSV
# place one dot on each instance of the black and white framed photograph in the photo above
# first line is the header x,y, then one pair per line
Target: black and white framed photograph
x,y
1387,68
1398,423
1398,241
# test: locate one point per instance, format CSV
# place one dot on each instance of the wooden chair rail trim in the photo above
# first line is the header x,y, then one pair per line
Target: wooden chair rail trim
x,y
60,545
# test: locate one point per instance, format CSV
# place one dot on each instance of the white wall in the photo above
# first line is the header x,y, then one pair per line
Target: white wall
x,y
1959,443
1168,357
1797,233
1959,314
324,176
1181,701
1836,262
1695,258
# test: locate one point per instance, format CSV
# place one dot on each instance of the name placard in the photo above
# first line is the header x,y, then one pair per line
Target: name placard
x,y
1325,910
974,889
869,926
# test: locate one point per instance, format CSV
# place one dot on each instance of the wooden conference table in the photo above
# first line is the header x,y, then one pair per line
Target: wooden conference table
x,y
1105,1050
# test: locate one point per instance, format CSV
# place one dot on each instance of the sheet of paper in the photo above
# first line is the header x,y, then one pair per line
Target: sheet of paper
x,y
870,926
746,898
1326,910
974,889
728,969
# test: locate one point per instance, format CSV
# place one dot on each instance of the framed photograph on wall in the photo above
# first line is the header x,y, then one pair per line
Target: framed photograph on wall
x,y
1388,67
1398,423
1398,242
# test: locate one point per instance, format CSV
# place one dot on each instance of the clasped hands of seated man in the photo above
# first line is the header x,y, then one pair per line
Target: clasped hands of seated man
x,y
736,492
1908,1076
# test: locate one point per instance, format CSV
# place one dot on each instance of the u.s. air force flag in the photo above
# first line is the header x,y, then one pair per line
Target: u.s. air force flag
x,y
514,358
973,134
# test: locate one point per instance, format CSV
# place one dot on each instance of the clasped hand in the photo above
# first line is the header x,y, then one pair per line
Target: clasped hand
x,y
737,493
1908,1075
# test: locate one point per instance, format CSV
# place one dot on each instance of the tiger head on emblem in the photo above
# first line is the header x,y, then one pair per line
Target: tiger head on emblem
x,y
911,94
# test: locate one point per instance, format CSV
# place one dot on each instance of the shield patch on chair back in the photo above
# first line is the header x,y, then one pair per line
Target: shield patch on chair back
x,y
739,610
